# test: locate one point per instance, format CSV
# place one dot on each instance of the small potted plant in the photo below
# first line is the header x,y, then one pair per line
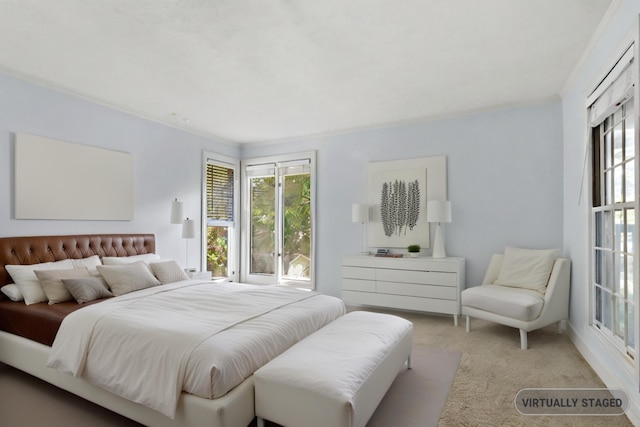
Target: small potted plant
x,y
413,250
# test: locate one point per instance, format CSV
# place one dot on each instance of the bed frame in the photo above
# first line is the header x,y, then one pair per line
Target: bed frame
x,y
234,409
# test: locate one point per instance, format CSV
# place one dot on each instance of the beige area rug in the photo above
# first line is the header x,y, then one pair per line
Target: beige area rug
x,y
493,369
415,399
417,396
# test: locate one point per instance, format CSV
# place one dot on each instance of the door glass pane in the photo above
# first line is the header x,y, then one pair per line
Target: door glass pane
x,y
620,318
619,235
218,250
296,259
617,144
598,266
606,309
631,334
608,162
629,131
630,274
597,225
617,184
607,229
620,282
631,230
607,271
263,213
607,187
598,305
629,181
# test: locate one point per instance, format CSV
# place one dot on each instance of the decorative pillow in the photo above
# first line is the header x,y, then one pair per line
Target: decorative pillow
x,y
51,282
126,278
12,292
119,260
25,278
168,271
87,289
526,268
91,263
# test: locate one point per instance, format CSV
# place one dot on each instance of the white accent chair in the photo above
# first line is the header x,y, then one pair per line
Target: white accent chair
x,y
520,307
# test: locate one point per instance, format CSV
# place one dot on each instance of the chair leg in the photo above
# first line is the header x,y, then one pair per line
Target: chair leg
x,y
468,323
523,339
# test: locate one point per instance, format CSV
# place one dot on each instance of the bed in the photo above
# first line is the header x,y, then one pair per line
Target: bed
x,y
28,332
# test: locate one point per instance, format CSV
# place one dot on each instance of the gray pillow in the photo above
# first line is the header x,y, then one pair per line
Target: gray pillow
x,y
87,289
126,278
51,282
168,271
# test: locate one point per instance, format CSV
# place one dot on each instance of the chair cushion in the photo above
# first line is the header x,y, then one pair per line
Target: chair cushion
x,y
526,268
515,303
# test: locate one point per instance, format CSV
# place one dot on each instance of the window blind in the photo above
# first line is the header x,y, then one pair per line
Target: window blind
x,y
613,91
220,180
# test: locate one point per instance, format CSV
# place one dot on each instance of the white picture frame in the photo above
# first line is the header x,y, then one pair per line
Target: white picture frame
x,y
61,180
430,176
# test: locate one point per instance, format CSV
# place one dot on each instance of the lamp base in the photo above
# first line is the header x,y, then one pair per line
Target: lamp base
x,y
438,244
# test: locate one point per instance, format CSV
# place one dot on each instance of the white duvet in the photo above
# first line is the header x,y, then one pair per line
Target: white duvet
x,y
198,337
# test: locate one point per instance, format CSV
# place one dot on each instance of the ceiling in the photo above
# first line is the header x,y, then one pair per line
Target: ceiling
x,y
271,70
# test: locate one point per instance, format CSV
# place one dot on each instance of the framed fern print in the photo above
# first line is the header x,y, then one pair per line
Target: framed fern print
x,y
398,192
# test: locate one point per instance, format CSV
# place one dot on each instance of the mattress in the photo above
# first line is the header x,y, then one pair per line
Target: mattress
x,y
37,322
135,346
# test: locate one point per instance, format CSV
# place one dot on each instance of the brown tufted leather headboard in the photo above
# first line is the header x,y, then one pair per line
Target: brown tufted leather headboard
x,y
28,250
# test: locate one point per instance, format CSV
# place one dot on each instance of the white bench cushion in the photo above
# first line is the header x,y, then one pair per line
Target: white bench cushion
x,y
337,376
515,303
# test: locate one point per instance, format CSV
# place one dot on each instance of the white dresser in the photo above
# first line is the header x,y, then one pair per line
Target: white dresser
x,y
421,284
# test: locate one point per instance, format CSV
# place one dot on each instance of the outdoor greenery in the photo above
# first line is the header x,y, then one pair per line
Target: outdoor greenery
x,y
217,250
296,226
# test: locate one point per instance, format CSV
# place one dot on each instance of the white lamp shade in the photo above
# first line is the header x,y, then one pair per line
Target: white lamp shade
x,y
188,229
176,212
438,211
359,213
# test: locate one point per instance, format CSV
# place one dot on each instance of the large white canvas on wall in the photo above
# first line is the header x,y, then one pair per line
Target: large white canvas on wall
x,y
62,180
397,196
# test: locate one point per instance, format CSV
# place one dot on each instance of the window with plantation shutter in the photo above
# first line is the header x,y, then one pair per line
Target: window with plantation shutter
x,y
220,195
613,121
220,198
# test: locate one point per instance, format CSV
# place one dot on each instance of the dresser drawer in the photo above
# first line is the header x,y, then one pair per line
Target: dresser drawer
x,y
418,277
358,272
410,289
359,285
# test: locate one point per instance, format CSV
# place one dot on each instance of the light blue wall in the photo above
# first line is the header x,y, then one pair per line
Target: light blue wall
x,y
167,162
504,176
611,366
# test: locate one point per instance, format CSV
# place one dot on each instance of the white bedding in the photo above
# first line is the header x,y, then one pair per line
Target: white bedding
x,y
194,336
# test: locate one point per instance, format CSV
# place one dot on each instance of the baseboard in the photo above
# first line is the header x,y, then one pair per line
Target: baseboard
x,y
611,378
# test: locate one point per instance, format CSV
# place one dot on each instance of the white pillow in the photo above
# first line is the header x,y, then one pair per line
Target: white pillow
x,y
119,260
12,292
526,268
91,263
126,278
168,271
25,278
51,282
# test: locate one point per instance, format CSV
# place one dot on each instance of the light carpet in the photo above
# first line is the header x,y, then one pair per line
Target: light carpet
x,y
417,396
415,399
491,371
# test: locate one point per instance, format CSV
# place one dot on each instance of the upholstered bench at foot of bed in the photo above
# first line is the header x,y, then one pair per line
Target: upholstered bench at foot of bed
x,y
338,375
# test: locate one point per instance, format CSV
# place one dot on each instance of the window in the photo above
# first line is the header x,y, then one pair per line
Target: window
x,y
278,220
614,206
220,214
